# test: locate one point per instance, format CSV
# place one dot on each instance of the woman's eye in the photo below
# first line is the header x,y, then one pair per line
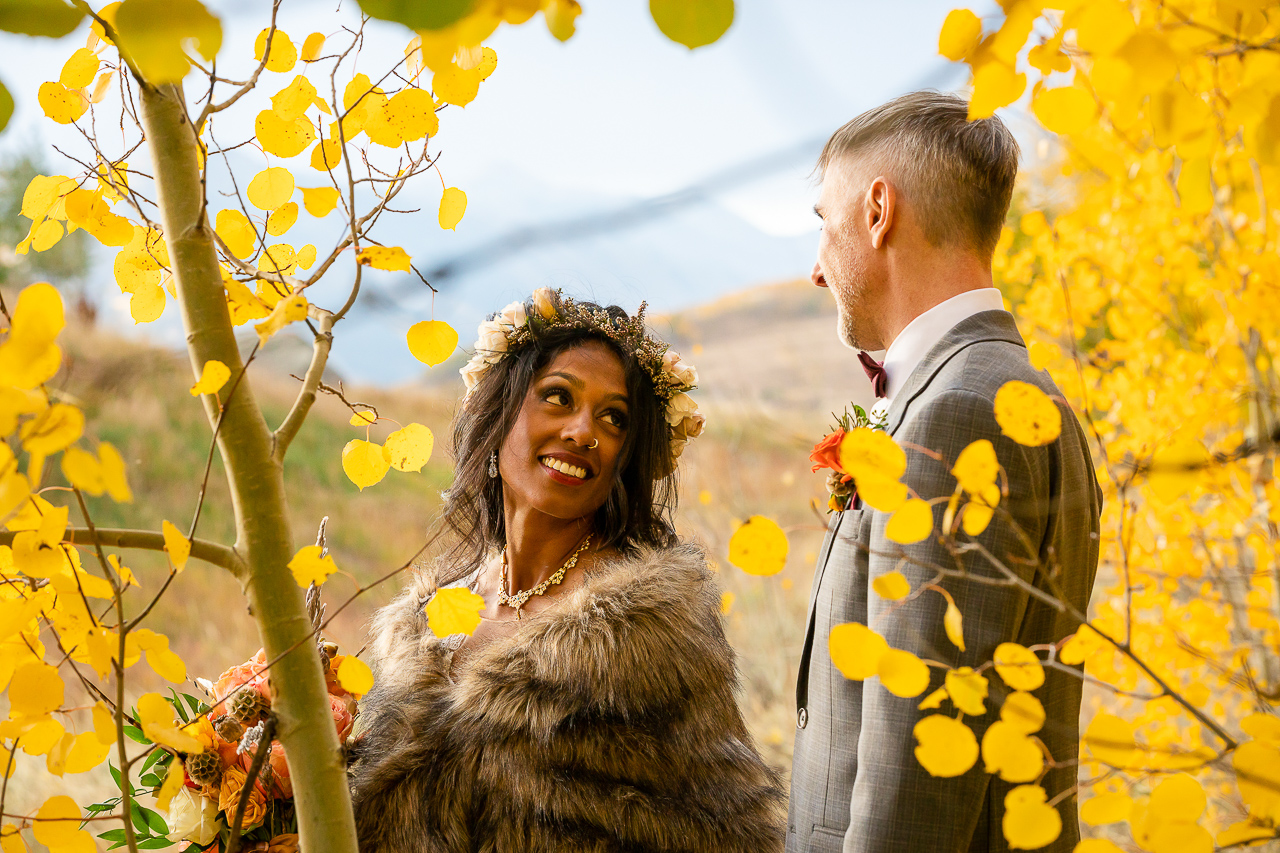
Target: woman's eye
x,y
618,419
558,396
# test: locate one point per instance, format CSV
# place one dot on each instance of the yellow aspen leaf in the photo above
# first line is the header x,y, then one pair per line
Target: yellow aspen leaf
x,y
45,235
1175,469
35,690
1102,26
283,138
1106,808
944,747
892,586
79,70
856,650
976,466
911,523
104,723
1257,767
42,737
1235,835
282,218
967,690
411,114
55,428
86,753
453,204
759,547
953,624
30,357
1178,798
1012,755
163,661
1018,666
355,676
454,610
291,309
363,463
408,448
214,375
432,341
15,402
270,188
867,453
979,511
561,17
882,493
961,32
61,104
1195,190
100,88
283,54
363,419
1109,740
319,201
173,782
146,303
56,823
155,32
488,62
1042,354
310,567
114,478
934,700
1066,110
326,155
306,256
157,719
1263,727
293,100
1023,712
456,86
178,546
390,258
1081,645
1029,821
10,836
278,258
379,129
902,673
692,24
995,85
1048,57
83,470
125,573
1027,415
311,47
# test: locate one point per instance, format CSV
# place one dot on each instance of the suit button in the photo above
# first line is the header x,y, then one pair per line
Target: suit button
x,y
802,718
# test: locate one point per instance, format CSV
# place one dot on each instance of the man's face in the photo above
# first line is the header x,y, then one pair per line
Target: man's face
x,y
845,254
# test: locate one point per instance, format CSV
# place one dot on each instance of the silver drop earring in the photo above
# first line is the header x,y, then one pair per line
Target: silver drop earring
x,y
493,465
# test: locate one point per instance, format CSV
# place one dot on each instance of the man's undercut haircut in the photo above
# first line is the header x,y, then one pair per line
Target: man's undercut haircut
x,y
956,175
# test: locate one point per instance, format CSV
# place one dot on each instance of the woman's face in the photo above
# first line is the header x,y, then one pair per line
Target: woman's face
x,y
547,462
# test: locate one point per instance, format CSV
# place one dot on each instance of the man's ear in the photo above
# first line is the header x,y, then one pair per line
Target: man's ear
x,y
880,206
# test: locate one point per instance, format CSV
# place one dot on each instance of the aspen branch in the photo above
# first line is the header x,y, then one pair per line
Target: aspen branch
x,y
285,433
145,540
210,108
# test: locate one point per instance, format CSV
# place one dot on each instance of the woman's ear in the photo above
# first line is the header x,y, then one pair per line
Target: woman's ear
x,y
880,206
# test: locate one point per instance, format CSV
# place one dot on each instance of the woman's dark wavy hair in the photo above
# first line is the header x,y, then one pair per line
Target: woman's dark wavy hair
x,y
642,501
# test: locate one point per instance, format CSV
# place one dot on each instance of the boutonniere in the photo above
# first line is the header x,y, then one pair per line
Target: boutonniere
x,y
826,454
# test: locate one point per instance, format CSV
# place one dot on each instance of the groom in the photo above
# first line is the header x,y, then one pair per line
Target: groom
x,y
913,199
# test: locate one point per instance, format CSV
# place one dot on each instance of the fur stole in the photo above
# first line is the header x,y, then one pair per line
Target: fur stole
x,y
608,723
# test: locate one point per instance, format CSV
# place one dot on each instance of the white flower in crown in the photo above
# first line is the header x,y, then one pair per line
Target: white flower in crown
x,y
512,317
685,420
681,373
544,303
492,343
473,370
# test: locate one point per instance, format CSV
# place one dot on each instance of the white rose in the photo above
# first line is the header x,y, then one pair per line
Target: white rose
x,y
513,316
544,303
691,426
492,343
193,816
680,407
683,373
473,370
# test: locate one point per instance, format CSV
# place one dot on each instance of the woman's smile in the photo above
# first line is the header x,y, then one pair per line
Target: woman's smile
x,y
566,468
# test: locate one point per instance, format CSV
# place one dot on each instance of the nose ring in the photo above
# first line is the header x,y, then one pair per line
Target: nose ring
x,y
595,442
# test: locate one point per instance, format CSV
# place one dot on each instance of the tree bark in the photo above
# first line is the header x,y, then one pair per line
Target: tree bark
x,y
263,540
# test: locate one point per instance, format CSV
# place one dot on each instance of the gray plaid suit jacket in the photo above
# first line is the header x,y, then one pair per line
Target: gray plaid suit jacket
x,y
856,784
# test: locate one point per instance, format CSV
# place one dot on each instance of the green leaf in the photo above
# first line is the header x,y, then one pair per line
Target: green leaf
x,y
155,843
418,14
52,18
135,734
116,835
150,780
692,23
155,756
154,821
139,820
198,706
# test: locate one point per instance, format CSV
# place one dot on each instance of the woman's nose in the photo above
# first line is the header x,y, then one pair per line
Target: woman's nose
x,y
579,429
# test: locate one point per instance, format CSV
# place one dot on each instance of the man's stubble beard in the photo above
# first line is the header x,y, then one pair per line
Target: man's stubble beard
x,y
850,324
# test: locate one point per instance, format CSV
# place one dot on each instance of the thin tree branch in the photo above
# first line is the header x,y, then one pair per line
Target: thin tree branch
x,y
259,757
145,540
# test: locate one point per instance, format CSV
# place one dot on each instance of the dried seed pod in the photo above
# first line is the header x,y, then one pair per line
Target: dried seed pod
x,y
204,768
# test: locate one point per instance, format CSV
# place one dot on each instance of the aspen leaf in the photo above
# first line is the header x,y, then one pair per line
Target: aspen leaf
x,y
891,585
979,511
355,676
306,256
960,34
311,47
363,463
363,419
1102,26
1257,767
933,701
1195,189
408,448
437,15
1081,645
953,624
270,188
61,104
1110,740
1023,712
911,523
326,155
454,610
759,547
432,341
871,454
882,493
282,218
1238,833
1106,808
42,737
49,18
1018,666
976,466
1012,755
1027,415
214,375
278,258
1174,469
293,100
944,747
1178,798
995,85
154,32
283,54
1263,727
55,428
283,138
178,546
291,309
457,86
1029,821
390,258
856,650
1065,110
104,723
6,113
411,115
902,673
56,823
319,201
30,356
453,204
146,303
100,88
561,17
35,690
162,660
78,71
967,690
157,719
113,473
692,23
173,782
308,566
83,470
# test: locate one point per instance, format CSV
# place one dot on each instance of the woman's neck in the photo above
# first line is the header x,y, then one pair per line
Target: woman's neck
x,y
538,545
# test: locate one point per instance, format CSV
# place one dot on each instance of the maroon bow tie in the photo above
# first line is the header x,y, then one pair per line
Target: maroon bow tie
x,y
875,372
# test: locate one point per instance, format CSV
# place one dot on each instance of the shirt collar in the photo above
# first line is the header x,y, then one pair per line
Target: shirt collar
x,y
914,342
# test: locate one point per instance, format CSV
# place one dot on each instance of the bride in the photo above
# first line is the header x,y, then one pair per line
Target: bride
x,y
593,709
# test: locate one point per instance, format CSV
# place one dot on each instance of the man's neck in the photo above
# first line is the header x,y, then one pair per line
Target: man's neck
x,y
927,282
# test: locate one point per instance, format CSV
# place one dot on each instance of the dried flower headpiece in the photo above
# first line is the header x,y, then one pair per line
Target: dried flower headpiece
x,y
509,331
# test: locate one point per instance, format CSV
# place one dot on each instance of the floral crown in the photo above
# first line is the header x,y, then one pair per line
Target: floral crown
x,y
509,331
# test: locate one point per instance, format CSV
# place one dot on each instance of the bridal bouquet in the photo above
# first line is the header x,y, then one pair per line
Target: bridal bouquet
x,y
202,788
826,454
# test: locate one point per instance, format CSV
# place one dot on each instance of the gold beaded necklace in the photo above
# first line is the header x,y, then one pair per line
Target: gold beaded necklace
x,y
517,600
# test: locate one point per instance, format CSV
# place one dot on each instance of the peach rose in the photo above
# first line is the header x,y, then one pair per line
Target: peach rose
x,y
826,453
682,372
251,672
281,781
544,303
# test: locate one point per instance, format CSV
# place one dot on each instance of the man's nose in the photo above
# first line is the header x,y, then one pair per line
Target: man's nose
x,y
816,276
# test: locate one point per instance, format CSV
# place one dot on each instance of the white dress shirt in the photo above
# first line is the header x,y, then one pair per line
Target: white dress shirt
x,y
921,334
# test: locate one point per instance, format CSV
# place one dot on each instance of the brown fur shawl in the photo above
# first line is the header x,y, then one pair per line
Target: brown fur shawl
x,y
608,723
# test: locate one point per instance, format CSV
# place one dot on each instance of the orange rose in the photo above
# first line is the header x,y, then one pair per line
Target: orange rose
x,y
826,453
233,779
341,716
250,672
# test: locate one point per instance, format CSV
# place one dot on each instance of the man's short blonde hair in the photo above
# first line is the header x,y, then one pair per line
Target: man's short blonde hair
x,y
956,175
